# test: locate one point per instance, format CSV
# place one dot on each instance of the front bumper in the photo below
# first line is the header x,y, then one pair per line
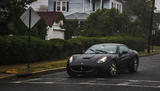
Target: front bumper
x,y
86,69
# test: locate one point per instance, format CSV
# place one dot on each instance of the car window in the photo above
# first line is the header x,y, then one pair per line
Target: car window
x,y
102,49
122,48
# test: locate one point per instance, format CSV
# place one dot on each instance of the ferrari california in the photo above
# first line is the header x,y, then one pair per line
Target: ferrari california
x,y
106,58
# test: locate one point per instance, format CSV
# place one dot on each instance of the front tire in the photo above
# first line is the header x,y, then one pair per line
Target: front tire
x,y
112,69
71,73
134,65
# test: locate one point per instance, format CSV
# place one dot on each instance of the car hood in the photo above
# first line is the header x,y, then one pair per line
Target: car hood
x,y
89,59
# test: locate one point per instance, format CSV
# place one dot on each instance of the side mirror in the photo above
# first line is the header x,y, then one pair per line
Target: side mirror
x,y
124,52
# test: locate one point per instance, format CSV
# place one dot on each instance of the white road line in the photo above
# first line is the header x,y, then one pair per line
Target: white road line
x,y
96,84
26,80
40,82
144,81
123,84
102,79
135,80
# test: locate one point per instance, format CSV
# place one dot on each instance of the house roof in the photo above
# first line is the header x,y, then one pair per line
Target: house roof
x,y
49,17
77,15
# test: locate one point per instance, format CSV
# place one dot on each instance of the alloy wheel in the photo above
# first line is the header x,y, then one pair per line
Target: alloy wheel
x,y
113,69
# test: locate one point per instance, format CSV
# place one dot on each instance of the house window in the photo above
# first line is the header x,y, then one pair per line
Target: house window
x,y
58,6
64,6
113,5
61,6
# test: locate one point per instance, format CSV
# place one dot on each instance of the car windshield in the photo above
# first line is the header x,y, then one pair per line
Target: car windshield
x,y
102,49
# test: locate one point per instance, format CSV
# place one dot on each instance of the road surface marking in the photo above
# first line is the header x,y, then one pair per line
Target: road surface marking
x,y
26,80
96,84
120,82
92,81
144,81
123,84
40,82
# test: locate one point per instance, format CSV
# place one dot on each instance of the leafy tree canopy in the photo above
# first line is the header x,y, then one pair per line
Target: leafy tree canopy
x,y
107,22
10,11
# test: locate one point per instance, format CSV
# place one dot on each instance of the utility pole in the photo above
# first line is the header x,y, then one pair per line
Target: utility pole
x,y
150,27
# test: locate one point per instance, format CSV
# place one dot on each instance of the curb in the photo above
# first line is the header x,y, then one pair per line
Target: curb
x,y
48,71
7,77
34,73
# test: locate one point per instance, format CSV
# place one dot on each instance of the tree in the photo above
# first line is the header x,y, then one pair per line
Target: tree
x,y
71,27
156,28
141,9
107,22
39,30
10,11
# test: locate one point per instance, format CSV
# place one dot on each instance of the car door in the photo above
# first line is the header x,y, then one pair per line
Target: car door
x,y
123,56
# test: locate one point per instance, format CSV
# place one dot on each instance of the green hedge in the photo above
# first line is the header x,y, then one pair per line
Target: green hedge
x,y
82,43
15,49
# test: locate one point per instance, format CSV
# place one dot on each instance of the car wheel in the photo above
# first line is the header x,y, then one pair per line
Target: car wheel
x,y
134,65
71,73
112,69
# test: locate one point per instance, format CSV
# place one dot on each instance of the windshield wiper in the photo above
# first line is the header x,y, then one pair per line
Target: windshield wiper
x,y
93,51
101,51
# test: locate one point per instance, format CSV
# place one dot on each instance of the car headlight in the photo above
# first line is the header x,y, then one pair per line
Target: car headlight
x,y
102,60
70,59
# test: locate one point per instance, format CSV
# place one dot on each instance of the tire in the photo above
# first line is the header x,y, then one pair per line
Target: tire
x,y
134,65
71,73
112,71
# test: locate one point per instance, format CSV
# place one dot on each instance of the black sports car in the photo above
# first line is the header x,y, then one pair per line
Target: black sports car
x,y
105,58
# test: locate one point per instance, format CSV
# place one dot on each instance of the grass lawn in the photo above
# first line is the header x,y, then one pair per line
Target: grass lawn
x,y
35,67
156,50
40,66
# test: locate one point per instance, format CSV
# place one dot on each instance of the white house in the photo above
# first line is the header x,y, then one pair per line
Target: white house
x,y
82,8
39,5
54,31
71,9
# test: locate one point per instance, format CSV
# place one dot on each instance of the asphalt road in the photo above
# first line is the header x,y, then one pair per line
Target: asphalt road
x,y
146,79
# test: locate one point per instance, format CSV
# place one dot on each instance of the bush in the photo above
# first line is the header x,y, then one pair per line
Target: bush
x,y
83,43
15,49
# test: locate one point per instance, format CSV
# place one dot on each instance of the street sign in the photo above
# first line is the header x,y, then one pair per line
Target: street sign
x,y
30,13
29,18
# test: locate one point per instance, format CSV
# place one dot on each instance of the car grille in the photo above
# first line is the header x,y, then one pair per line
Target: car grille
x,y
81,68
